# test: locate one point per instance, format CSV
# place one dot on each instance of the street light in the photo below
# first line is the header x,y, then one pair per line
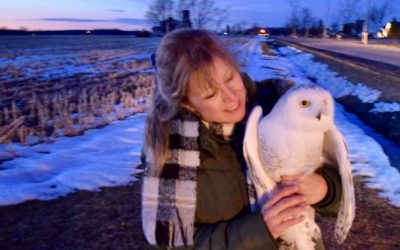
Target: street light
x,y
364,34
325,31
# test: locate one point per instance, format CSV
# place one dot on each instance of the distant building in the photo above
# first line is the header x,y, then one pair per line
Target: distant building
x,y
171,24
186,23
353,29
358,27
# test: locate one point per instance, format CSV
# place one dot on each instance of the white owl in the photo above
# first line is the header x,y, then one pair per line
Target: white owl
x,y
296,138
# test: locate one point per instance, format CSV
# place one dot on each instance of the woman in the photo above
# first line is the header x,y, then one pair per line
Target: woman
x,y
195,192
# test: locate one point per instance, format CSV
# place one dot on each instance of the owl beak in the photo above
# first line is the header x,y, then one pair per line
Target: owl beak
x,y
318,116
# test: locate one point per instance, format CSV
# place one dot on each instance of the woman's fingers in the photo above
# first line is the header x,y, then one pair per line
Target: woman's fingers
x,y
292,212
281,228
285,203
280,223
280,193
284,209
313,186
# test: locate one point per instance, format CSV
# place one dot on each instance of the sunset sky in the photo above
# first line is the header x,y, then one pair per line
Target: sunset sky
x,y
129,14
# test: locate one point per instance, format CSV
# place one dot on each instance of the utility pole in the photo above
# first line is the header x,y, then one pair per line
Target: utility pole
x,y
364,35
325,32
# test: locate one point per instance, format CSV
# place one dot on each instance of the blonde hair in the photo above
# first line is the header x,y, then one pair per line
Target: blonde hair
x,y
181,55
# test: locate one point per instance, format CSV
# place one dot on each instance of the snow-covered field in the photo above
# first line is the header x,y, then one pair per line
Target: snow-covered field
x,y
63,85
48,57
108,156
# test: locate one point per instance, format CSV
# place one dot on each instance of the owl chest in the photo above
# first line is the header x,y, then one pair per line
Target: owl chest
x,y
291,154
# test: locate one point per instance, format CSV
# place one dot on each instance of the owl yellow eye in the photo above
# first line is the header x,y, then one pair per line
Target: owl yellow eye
x,y
304,103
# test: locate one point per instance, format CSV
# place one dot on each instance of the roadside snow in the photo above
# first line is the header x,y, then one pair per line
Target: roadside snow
x,y
386,107
337,85
368,158
101,157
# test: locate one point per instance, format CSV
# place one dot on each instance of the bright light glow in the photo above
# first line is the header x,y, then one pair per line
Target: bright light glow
x,y
263,32
384,32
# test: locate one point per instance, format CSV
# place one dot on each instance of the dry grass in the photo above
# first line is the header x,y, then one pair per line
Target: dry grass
x,y
376,225
110,219
65,85
70,111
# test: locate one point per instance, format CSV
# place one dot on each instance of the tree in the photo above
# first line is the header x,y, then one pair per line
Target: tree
x,y
394,31
204,12
306,20
293,21
378,12
350,10
221,15
160,10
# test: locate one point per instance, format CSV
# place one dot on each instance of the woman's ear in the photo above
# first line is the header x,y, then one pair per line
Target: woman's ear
x,y
185,104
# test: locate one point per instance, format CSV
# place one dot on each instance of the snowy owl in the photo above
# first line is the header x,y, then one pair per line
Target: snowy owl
x,y
295,138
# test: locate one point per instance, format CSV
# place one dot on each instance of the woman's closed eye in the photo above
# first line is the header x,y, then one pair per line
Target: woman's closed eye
x,y
229,77
210,94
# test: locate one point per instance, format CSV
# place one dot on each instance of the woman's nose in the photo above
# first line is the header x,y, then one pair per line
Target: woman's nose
x,y
228,93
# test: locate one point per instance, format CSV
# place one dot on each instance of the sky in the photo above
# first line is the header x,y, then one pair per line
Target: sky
x,y
129,14
88,162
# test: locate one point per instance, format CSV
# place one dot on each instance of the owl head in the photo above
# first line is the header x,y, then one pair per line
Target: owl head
x,y
305,107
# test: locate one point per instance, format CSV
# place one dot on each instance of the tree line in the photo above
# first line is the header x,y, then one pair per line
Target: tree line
x,y
301,18
203,13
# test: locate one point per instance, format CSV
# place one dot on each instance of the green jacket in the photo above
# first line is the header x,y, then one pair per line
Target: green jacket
x,y
223,218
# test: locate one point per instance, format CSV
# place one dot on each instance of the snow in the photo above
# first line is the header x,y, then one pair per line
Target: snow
x,y
386,107
337,85
368,158
108,156
101,157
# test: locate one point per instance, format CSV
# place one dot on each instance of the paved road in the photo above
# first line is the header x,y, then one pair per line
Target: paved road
x,y
376,52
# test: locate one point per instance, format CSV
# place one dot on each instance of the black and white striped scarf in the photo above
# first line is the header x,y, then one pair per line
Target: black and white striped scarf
x,y
169,196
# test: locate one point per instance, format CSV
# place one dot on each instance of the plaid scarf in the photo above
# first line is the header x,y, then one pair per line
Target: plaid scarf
x,y
169,196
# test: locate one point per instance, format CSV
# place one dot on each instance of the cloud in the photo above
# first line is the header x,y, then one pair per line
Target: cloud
x,y
131,21
75,20
119,11
80,20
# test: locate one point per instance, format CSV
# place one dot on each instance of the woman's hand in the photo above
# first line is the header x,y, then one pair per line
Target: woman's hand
x,y
313,186
283,209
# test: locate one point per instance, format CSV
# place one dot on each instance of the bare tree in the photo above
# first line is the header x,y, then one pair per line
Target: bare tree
x,y
294,20
160,10
183,5
350,10
204,12
306,20
221,16
378,12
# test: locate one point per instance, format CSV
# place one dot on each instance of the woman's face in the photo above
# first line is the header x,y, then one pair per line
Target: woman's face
x,y
224,100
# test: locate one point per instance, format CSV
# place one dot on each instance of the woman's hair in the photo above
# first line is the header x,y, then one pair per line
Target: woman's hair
x,y
183,55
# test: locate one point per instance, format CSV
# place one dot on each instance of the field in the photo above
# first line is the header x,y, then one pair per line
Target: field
x,y
52,85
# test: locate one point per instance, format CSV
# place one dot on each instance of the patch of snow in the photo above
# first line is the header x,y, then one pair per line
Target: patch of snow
x,y
386,107
101,157
337,85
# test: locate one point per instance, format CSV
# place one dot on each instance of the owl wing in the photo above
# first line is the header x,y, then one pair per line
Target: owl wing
x,y
262,182
336,152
